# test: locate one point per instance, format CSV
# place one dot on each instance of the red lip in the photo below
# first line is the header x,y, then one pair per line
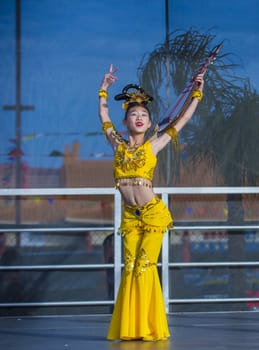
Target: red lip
x,y
139,124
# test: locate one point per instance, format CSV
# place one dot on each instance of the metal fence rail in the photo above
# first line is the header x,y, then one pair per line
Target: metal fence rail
x,y
165,264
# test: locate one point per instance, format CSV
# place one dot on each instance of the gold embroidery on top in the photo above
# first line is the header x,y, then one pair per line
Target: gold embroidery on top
x,y
150,172
143,263
133,161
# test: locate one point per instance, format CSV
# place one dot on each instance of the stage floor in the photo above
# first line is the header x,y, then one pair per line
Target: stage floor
x,y
202,331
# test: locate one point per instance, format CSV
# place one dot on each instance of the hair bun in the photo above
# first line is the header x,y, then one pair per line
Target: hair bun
x,y
137,96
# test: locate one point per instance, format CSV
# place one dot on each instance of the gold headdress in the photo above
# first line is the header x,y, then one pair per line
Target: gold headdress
x,y
138,96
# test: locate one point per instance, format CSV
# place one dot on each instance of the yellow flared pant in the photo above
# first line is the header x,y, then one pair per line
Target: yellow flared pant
x,y
139,311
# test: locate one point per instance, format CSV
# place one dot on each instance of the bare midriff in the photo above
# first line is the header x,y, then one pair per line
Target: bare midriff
x,y
135,191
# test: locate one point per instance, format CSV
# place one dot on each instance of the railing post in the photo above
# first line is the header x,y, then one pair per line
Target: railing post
x,y
165,261
117,241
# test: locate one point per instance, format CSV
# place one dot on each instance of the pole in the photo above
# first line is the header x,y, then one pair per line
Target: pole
x,y
18,108
167,20
168,93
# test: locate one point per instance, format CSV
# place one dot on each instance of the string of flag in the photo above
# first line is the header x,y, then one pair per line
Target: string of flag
x,y
16,152
33,136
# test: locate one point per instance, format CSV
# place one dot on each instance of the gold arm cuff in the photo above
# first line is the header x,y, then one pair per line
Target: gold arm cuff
x,y
197,94
107,125
171,131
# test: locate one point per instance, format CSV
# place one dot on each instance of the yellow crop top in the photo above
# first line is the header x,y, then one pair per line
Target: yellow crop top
x,y
139,163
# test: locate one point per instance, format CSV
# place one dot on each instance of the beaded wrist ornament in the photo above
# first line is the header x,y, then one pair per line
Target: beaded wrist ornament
x,y
103,93
197,94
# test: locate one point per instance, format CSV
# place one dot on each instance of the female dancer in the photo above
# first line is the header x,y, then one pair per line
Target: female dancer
x,y
139,312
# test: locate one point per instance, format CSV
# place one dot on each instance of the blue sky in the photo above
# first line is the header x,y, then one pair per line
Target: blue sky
x,y
67,46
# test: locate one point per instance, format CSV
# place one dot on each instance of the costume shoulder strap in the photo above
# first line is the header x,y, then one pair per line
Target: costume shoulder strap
x,y
117,137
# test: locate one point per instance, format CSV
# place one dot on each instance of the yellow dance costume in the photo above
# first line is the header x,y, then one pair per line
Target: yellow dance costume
x,y
139,311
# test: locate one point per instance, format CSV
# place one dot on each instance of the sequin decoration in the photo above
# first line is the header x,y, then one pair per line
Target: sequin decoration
x,y
130,161
137,212
129,261
143,263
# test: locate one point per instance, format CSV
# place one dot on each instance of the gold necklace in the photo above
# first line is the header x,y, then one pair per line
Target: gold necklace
x,y
134,147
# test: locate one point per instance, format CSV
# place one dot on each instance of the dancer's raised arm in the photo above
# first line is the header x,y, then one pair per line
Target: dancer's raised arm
x,y
108,80
172,130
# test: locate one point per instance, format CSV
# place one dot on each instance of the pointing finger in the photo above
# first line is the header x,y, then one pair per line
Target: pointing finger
x,y
113,70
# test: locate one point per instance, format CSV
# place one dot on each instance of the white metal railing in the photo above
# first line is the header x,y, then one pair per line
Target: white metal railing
x,y
165,263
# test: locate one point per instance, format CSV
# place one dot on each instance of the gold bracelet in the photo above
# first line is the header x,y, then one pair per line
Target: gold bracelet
x,y
107,125
197,94
103,93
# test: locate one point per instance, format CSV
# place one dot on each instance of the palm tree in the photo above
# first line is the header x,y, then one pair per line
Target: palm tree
x,y
224,128
167,70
